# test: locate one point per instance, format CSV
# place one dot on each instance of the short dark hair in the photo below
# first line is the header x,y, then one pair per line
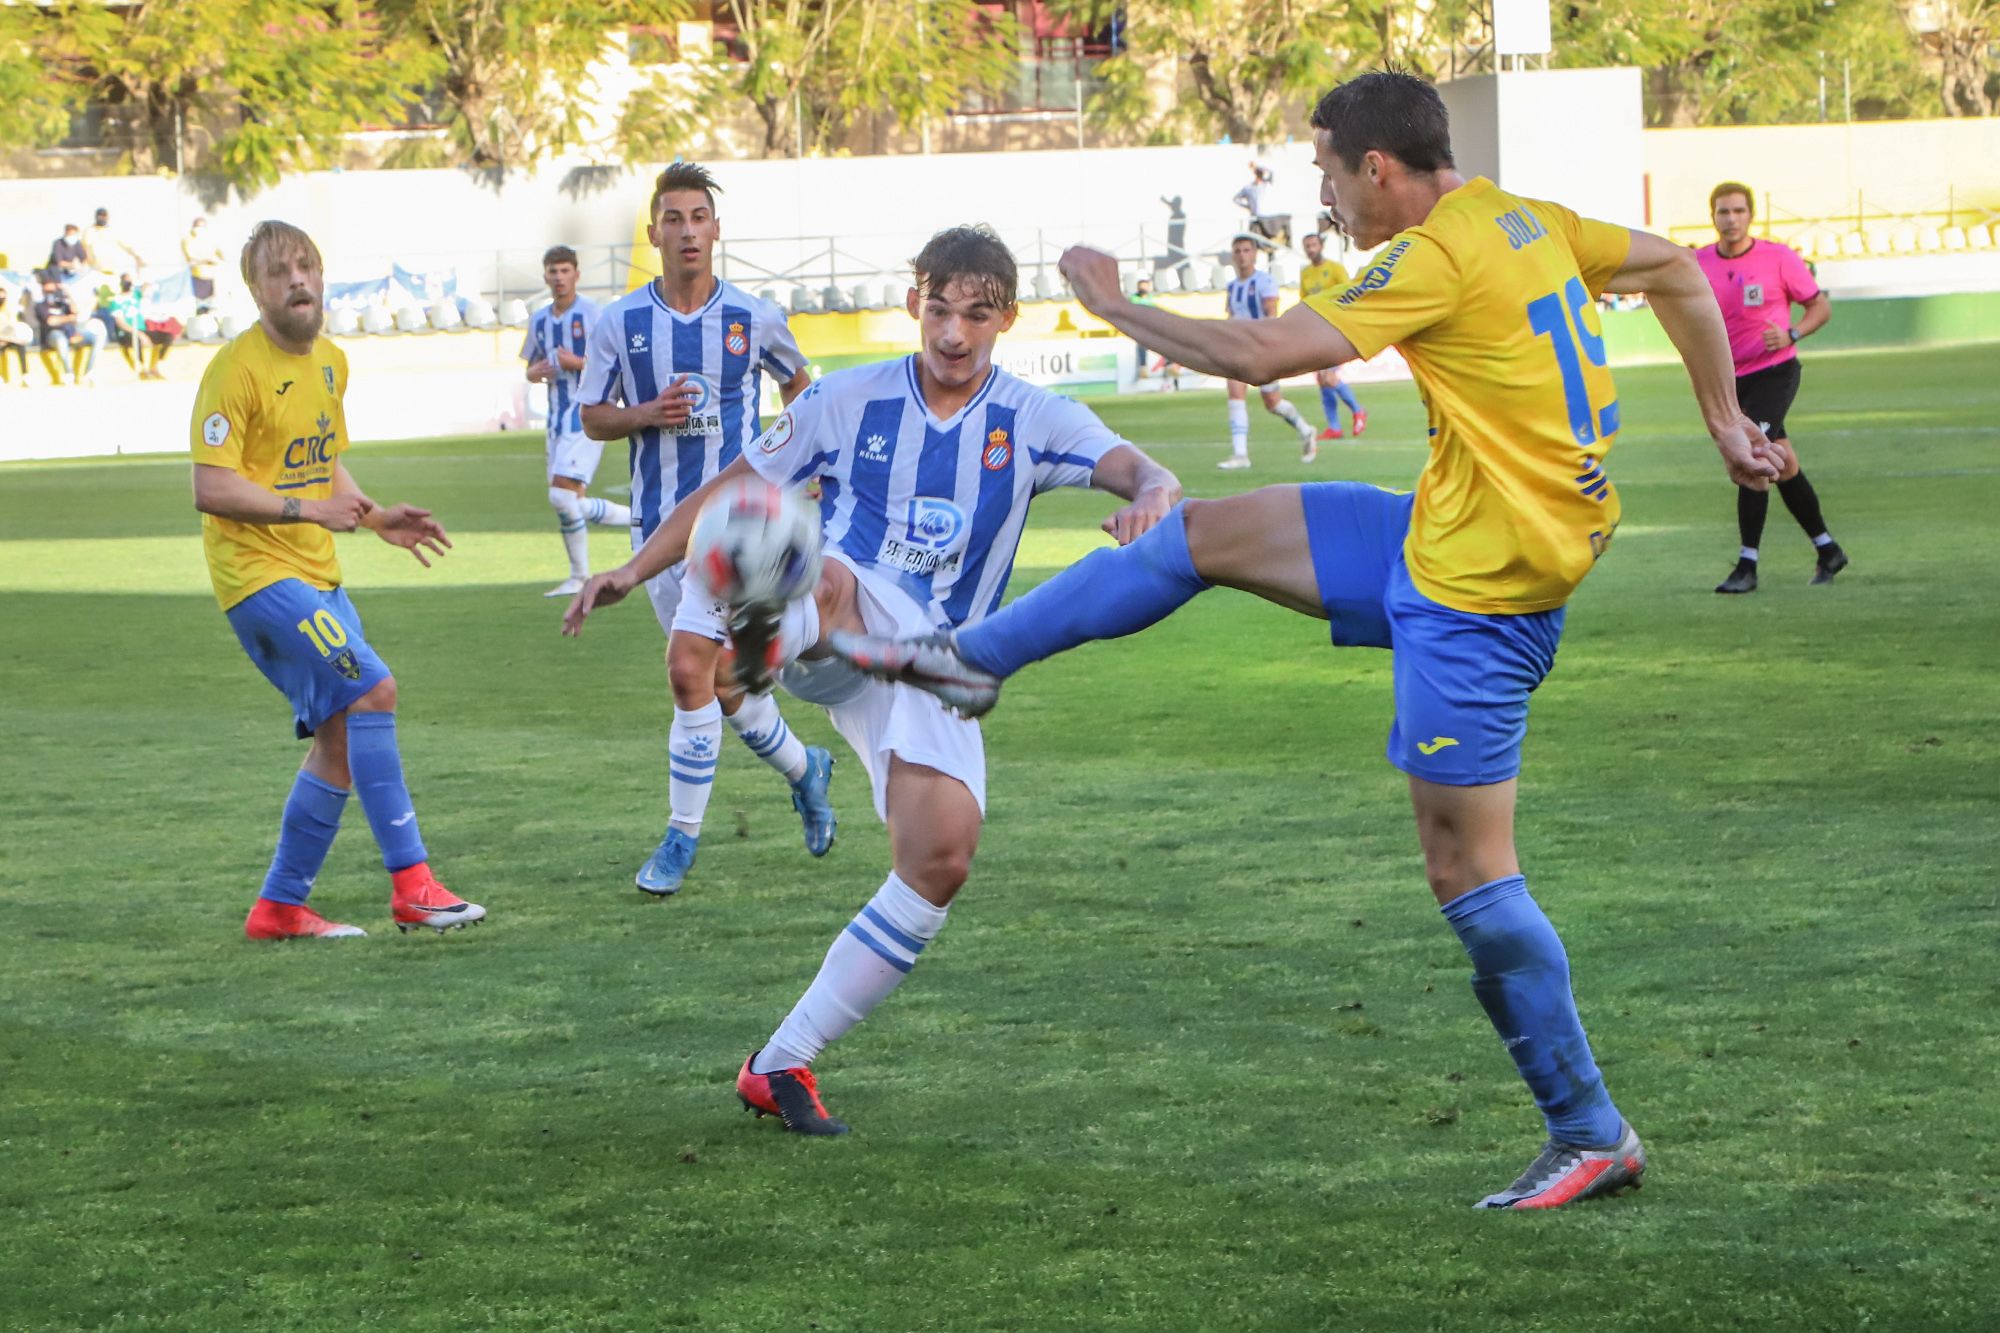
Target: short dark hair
x,y
1386,111
973,254
1717,195
558,254
683,176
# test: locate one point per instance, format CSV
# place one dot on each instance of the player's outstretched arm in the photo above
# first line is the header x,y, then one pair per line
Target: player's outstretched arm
x,y
1255,351
664,549
1683,302
1130,474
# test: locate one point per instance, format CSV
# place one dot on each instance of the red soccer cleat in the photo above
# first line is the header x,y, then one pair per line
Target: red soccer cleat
x,y
1564,1174
294,921
790,1095
1330,433
417,899
1360,423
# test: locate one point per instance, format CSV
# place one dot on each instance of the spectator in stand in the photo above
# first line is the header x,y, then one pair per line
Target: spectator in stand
x,y
57,318
106,251
67,254
15,335
203,256
161,330
117,314
1260,199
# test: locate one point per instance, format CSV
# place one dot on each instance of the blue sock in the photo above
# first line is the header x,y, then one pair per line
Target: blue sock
x,y
377,767
1329,404
312,817
1112,592
1345,395
1521,977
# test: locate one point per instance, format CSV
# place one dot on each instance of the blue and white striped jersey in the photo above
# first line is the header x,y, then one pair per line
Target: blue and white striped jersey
x,y
571,331
1247,295
938,505
640,345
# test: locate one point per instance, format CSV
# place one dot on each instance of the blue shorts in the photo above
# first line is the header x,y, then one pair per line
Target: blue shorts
x,y
1462,680
309,644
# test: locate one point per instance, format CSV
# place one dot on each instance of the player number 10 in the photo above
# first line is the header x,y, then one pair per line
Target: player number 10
x,y
324,631
1552,315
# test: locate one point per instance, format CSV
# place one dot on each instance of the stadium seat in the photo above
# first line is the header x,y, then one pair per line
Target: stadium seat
x,y
343,323
1167,280
834,299
1953,239
804,302
1851,246
1875,237
228,326
203,329
1903,239
514,312
1826,245
1040,286
859,296
1977,238
443,315
410,319
1218,277
479,315
1282,271
892,294
376,319
1929,242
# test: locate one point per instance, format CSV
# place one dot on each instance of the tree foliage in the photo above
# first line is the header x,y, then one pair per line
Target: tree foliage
x,y
257,87
514,73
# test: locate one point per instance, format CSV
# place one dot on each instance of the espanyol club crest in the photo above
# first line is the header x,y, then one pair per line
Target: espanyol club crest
x,y
736,341
576,327
998,451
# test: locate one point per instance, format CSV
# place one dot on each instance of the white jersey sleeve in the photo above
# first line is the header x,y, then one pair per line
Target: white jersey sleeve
x,y
603,370
797,446
1265,287
531,342
780,354
1068,440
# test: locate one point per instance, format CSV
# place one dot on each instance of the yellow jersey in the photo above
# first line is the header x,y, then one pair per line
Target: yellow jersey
x,y
1317,279
276,419
1491,301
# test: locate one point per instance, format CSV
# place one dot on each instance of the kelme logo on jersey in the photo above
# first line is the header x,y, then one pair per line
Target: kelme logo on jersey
x,y
1376,276
736,342
998,451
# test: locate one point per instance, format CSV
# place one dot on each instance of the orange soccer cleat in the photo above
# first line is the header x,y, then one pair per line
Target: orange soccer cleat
x,y
270,920
417,899
789,1094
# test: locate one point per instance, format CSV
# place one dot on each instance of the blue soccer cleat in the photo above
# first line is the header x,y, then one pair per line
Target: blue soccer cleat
x,y
809,798
669,864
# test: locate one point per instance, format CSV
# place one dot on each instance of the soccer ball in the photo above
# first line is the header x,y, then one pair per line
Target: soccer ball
x,y
756,543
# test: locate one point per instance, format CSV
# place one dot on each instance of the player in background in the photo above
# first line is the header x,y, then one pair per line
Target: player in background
x,y
1756,283
928,463
558,335
1323,277
676,367
268,432
1253,295
1491,300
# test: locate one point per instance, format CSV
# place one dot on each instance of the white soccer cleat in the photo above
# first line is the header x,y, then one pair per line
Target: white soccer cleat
x,y
1234,463
931,664
567,588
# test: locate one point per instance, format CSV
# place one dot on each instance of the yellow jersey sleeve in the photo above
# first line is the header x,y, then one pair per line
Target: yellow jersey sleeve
x,y
225,408
1600,248
1410,286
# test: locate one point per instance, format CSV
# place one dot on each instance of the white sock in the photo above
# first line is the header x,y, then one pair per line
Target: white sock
x,y
1747,553
761,727
867,961
605,513
1290,416
569,510
1239,428
1824,539
692,748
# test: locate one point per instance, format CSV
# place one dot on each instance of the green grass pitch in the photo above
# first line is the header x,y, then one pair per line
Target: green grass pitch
x,y
1196,1051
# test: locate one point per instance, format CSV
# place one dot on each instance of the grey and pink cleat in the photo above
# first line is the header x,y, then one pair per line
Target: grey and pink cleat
x,y
1565,1174
931,663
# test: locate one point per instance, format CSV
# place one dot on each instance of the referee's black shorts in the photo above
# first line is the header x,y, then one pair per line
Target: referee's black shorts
x,y
1766,395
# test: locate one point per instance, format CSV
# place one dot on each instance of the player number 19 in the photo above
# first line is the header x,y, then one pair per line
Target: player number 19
x,y
325,632
1552,315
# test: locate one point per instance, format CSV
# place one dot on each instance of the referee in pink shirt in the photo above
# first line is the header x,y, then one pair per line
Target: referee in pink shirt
x,y
1757,283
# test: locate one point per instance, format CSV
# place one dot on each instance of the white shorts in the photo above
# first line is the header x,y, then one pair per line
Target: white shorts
x,y
678,601
879,719
573,456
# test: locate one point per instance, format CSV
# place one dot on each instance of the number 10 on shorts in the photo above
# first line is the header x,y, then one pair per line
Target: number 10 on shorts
x,y
325,631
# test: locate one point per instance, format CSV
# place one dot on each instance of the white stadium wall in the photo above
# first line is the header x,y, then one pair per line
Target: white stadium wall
x,y
1575,136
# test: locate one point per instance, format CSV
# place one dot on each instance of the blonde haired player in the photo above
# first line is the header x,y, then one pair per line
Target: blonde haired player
x,y
268,432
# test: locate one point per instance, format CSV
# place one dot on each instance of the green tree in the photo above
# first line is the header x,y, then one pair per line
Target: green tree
x,y
1961,35
512,70
35,100
246,88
